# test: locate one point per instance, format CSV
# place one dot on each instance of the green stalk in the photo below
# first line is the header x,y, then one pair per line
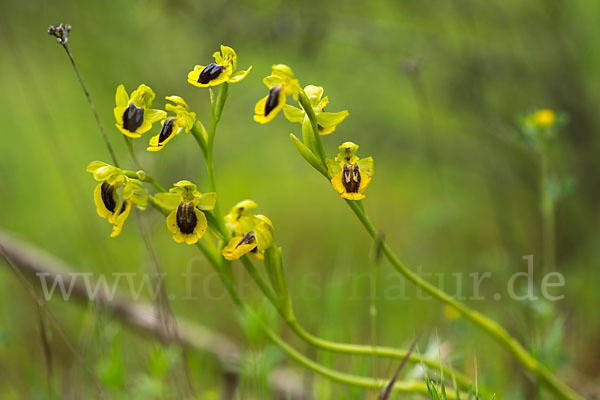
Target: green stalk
x,y
487,325
129,144
290,319
373,305
345,348
144,177
207,149
548,216
215,118
305,103
340,377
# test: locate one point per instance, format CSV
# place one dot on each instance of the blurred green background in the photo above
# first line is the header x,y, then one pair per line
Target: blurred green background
x,y
434,90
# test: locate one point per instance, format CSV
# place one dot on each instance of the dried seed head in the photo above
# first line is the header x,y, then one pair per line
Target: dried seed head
x,y
61,32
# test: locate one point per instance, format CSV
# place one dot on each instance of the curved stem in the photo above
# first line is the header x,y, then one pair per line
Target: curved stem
x,y
487,325
346,348
359,381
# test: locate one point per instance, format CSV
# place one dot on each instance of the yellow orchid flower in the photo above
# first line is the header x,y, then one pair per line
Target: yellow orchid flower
x,y
186,221
182,122
326,121
106,197
252,234
350,175
218,72
232,219
281,83
133,115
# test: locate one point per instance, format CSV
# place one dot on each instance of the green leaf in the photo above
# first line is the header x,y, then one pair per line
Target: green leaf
x,y
308,155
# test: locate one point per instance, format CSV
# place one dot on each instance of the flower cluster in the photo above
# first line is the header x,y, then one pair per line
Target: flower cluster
x,y
190,213
349,174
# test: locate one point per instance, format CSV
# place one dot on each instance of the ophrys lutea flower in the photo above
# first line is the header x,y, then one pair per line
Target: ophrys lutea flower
x,y
252,234
326,121
186,220
106,197
181,122
133,114
281,83
350,175
218,72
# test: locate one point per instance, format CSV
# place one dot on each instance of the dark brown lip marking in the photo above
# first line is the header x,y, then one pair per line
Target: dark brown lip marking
x,y
133,117
351,178
249,238
210,72
123,207
186,218
106,192
166,130
272,99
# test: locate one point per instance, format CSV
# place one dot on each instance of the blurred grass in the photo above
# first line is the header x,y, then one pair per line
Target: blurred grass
x,y
433,90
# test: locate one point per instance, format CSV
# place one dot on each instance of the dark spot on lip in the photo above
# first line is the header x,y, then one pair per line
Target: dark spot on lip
x,y
106,192
133,117
351,178
249,238
186,218
210,72
272,99
166,130
123,207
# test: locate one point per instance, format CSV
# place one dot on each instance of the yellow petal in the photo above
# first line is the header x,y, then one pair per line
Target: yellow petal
x,y
172,222
100,207
121,217
337,184
121,97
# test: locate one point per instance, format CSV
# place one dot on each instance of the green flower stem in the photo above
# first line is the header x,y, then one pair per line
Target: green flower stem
x,y
283,306
346,348
305,103
129,144
548,215
373,305
144,177
489,326
359,381
216,262
216,117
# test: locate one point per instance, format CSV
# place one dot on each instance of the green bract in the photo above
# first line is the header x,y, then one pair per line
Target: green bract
x,y
327,121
